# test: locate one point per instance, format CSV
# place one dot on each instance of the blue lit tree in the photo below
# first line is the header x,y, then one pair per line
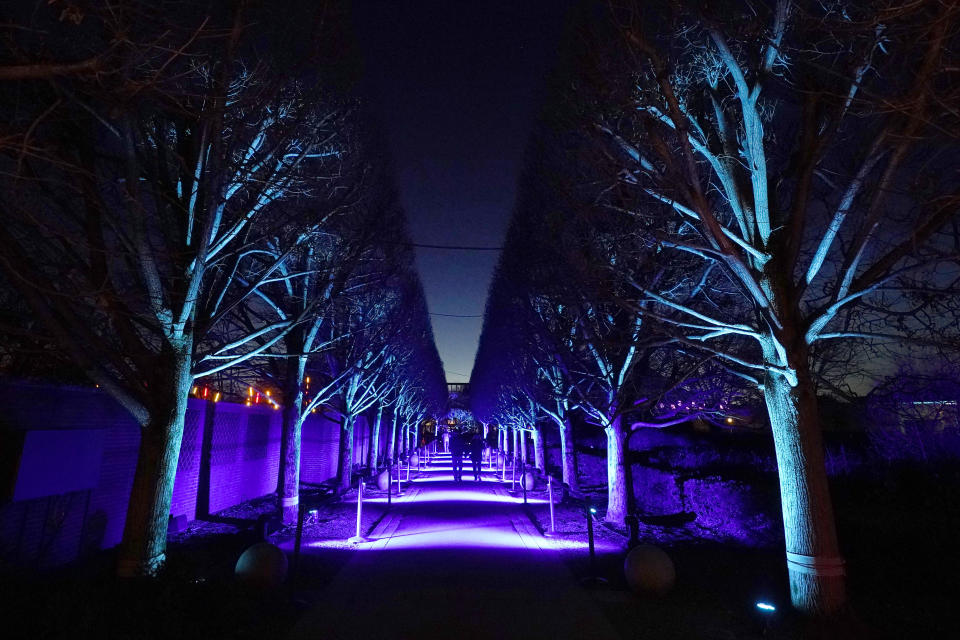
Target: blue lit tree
x,y
135,196
555,317
309,283
380,319
409,370
788,149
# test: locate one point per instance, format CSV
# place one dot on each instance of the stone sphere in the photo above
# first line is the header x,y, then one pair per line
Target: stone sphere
x,y
383,480
529,480
263,566
649,570
414,460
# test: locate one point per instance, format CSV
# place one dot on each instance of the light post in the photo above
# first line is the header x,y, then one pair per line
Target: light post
x,y
399,484
593,578
553,527
357,539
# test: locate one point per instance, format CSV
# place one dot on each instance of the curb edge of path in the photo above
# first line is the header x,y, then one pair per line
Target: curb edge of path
x,y
383,532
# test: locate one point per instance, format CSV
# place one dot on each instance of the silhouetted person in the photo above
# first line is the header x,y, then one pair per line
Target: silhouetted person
x,y
476,453
456,452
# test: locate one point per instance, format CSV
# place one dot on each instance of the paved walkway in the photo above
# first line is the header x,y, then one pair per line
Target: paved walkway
x,y
454,561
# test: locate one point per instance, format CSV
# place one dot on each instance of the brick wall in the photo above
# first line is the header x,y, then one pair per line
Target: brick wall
x,y
319,447
230,454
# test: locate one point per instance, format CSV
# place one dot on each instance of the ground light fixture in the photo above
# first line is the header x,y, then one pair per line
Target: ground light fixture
x,y
766,612
594,578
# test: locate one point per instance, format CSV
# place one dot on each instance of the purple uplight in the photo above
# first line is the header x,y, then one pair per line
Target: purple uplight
x,y
468,495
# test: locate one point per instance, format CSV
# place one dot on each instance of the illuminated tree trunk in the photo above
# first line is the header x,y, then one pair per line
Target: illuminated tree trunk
x,y
344,475
143,549
373,451
523,446
813,554
567,461
538,453
616,477
392,444
288,476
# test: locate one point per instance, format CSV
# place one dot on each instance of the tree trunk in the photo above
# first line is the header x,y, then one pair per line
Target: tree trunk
x,y
616,478
567,461
288,476
392,444
817,584
538,452
144,544
345,471
373,450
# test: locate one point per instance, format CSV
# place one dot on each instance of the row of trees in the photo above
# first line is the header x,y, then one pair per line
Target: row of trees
x,y
757,198
192,191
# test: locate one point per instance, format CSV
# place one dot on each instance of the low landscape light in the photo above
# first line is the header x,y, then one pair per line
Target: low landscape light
x,y
766,606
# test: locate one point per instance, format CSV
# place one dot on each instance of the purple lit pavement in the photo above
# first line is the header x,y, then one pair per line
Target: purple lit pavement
x,y
454,561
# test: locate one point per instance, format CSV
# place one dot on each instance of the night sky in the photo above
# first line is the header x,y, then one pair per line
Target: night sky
x,y
456,85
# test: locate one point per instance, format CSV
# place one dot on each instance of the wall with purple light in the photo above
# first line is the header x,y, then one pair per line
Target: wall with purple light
x,y
67,491
716,484
319,447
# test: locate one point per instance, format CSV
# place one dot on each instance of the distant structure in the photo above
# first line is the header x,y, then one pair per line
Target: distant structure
x,y
459,395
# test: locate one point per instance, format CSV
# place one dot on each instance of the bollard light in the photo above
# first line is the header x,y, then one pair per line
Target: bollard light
x,y
593,578
553,525
357,539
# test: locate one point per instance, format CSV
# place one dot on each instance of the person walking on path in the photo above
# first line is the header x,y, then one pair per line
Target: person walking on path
x,y
476,453
456,451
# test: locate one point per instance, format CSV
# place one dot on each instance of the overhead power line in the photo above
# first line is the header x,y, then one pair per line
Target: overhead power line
x,y
454,315
453,247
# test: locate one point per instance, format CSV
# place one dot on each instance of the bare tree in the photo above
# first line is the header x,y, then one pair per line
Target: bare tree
x,y
789,148
133,199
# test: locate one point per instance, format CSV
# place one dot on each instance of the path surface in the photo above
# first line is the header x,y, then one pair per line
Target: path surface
x,y
454,561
